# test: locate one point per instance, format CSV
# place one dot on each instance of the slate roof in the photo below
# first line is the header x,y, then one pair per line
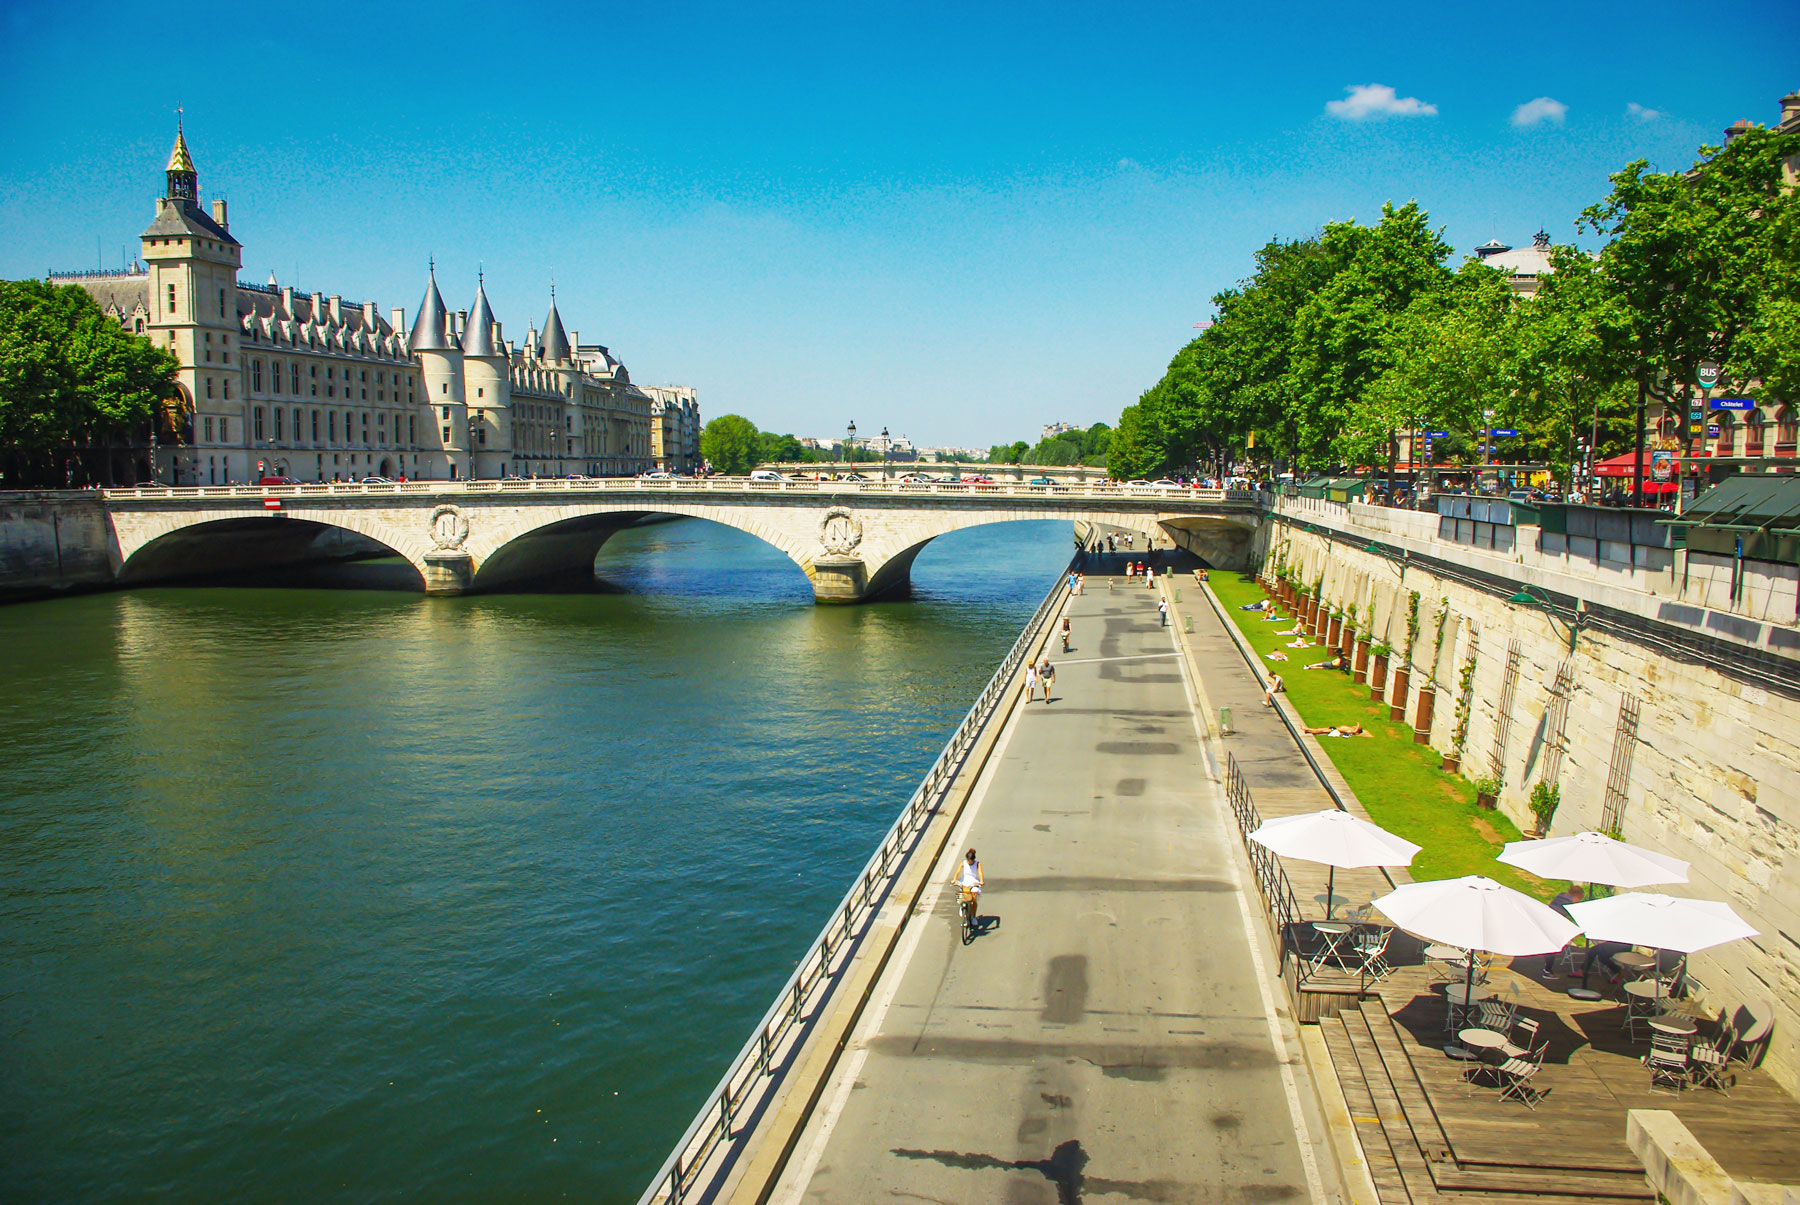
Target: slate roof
x,y
555,345
431,329
478,337
185,218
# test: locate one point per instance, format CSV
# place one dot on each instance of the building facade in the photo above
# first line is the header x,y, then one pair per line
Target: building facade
x,y
309,386
674,428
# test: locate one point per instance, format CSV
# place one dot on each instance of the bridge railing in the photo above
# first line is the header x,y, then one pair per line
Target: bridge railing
x,y
684,485
815,973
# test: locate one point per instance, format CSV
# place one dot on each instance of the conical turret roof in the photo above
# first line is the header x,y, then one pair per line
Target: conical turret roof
x,y
179,159
431,328
478,338
555,345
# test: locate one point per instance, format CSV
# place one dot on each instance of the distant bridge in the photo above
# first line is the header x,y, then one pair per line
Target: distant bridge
x,y
855,540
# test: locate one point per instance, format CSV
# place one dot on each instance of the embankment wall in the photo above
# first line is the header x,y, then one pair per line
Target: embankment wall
x,y
1678,729
52,543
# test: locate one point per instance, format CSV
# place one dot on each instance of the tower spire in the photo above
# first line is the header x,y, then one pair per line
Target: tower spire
x,y
184,181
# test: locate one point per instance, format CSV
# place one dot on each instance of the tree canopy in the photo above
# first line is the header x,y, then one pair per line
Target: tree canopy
x,y
73,383
1341,343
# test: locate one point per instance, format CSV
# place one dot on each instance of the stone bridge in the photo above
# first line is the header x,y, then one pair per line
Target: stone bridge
x,y
854,540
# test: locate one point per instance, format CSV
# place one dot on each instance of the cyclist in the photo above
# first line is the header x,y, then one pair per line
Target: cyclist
x,y
968,882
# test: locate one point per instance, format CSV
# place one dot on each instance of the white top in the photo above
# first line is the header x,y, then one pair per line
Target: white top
x,y
1030,674
971,874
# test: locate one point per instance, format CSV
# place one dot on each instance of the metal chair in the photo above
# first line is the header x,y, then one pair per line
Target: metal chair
x,y
1640,1010
1752,1024
1709,1063
1527,1031
1517,1074
1371,952
1496,1015
1667,1060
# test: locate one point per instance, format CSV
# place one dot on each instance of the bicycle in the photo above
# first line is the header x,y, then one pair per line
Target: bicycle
x,y
965,911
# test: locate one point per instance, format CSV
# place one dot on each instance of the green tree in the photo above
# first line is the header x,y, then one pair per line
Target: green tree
x,y
1701,259
731,443
74,384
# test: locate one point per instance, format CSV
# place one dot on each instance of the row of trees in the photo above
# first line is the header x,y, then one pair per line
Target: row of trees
x,y
733,444
1341,343
1088,447
76,388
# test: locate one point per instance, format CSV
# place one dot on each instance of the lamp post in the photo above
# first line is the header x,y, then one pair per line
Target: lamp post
x,y
884,453
850,444
1525,598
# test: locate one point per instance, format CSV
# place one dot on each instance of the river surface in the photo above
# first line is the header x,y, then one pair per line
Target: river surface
x,y
355,895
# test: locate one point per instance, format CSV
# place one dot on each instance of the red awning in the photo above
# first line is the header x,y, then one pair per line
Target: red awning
x,y
1621,465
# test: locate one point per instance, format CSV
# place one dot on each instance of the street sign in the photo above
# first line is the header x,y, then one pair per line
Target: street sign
x,y
271,503
1733,403
1696,415
1437,434
1712,430
1503,432
1707,374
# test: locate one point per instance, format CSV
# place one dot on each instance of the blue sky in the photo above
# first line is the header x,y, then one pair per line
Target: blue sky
x,y
957,221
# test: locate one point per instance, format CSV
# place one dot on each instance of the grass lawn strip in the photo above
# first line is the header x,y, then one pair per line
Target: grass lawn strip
x,y
1398,782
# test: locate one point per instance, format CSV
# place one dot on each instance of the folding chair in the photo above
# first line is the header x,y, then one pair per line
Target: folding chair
x,y
1371,951
1667,1060
1710,1063
1496,1015
1517,1075
1527,1031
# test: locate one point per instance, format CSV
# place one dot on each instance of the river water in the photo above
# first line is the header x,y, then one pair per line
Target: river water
x,y
351,894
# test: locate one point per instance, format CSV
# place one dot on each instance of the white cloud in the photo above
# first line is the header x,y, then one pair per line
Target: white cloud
x,y
1642,113
1377,100
1537,112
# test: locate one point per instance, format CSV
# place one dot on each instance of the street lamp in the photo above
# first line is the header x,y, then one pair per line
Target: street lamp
x,y
1394,562
1525,598
884,454
850,444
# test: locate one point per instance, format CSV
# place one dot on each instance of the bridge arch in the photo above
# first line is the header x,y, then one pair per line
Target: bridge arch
x,y
222,544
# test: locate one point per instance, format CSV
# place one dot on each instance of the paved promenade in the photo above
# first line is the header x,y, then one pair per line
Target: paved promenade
x,y
1109,1036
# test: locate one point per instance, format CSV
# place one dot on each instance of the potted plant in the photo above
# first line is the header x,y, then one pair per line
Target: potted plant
x,y
1545,798
1487,791
1378,652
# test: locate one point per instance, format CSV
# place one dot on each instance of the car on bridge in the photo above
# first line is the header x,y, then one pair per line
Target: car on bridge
x,y
278,481
658,475
1040,481
377,481
768,475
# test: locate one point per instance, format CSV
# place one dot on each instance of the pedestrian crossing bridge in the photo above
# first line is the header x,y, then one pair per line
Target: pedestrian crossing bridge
x,y
854,540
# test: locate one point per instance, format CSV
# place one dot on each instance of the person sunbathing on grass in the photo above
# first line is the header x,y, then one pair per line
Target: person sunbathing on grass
x,y
1338,730
1275,617
1278,655
1298,644
1296,630
1334,663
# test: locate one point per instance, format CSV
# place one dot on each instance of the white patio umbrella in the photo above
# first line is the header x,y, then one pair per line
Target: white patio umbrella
x,y
1595,858
1333,838
1662,922
1476,913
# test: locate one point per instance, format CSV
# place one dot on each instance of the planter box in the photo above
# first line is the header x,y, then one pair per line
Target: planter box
x,y
1362,657
1451,764
1422,724
1336,626
1486,801
1378,677
1397,704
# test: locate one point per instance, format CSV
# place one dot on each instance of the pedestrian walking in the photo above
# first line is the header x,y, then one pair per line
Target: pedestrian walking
x,y
1080,584
1031,680
1065,633
1047,677
1162,611
1149,578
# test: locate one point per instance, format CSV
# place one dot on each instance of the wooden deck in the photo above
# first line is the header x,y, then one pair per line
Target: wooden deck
x,y
1428,1136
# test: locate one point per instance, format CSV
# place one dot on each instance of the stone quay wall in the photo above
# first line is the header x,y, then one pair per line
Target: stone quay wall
x,y
1675,720
53,543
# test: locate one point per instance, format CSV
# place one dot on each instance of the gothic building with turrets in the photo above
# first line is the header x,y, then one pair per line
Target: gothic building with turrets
x,y
309,386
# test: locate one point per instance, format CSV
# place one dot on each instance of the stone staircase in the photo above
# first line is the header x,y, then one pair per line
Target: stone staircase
x,y
1410,1156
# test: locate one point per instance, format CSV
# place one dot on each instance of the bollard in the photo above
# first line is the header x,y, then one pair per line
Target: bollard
x,y
1224,721
1178,595
1187,623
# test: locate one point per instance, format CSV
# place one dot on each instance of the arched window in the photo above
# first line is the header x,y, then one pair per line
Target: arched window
x,y
1722,445
1787,426
1753,433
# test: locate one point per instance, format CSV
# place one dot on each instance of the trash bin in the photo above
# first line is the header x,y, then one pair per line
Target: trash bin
x,y
1224,720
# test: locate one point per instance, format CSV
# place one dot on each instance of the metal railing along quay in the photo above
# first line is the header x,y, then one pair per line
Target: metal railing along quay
x,y
816,971
685,485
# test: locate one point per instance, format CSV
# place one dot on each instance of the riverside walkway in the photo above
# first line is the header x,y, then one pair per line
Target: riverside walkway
x,y
1112,1032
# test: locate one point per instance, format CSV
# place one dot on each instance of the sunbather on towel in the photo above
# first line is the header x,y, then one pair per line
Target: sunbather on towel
x,y
1278,655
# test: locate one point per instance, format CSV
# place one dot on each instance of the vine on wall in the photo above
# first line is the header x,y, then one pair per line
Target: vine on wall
x,y
1412,625
1465,700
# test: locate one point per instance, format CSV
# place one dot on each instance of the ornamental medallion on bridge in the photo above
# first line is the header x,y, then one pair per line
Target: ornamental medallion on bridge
x,y
449,526
840,531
